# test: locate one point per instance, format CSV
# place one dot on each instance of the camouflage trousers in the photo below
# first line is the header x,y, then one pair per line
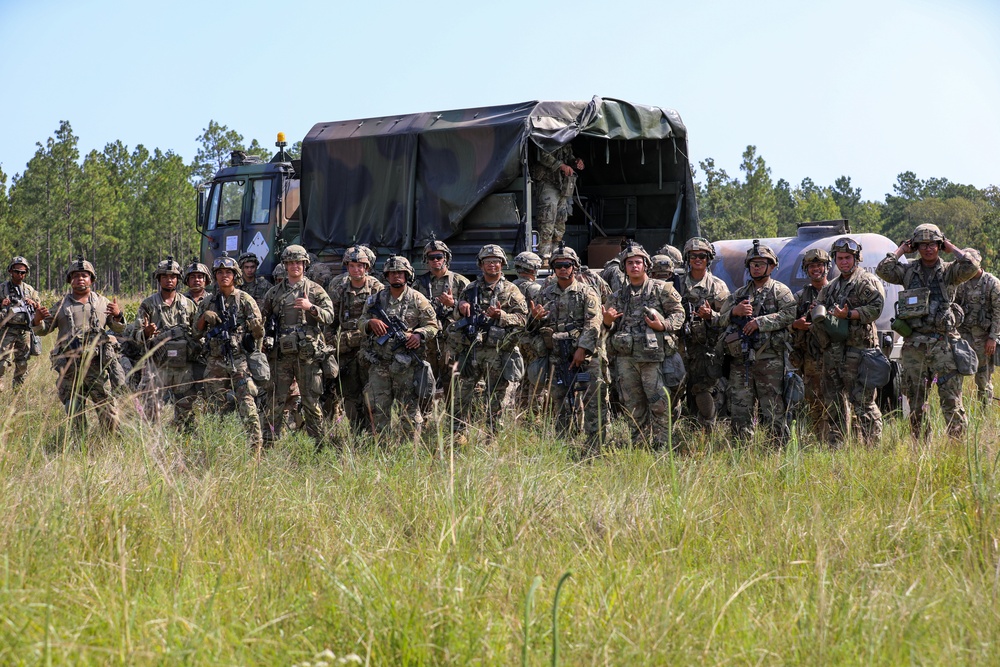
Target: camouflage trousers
x,y
439,355
813,402
75,385
926,361
759,389
286,372
587,402
156,380
844,395
701,385
221,379
392,383
347,397
492,368
552,207
984,375
643,399
15,350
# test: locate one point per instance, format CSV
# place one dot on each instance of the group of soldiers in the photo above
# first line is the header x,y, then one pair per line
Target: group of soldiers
x,y
651,338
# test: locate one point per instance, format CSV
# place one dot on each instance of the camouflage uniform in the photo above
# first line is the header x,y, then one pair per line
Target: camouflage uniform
x,y
640,351
436,350
258,289
344,336
167,365
393,368
980,299
842,392
928,355
554,196
15,330
297,354
493,356
574,321
698,342
79,356
224,374
761,382
199,358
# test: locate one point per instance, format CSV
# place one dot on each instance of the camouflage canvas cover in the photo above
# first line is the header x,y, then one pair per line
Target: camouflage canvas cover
x,y
393,181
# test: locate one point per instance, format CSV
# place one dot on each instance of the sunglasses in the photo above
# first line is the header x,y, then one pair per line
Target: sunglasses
x,y
435,258
19,272
698,255
562,265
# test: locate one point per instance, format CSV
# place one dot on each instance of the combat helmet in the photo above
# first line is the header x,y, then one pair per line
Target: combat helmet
x,y
398,263
527,261
248,257
633,249
167,267
564,252
758,251
673,253
491,250
224,261
296,253
846,244
437,246
926,232
699,244
278,273
18,260
816,255
195,267
662,267
80,264
357,253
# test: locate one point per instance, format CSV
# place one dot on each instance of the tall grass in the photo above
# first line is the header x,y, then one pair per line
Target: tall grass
x,y
153,547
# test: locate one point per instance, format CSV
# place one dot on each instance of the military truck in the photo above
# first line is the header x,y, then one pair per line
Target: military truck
x,y
461,176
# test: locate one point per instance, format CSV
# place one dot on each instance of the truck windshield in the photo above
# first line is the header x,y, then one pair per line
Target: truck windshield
x,y
226,205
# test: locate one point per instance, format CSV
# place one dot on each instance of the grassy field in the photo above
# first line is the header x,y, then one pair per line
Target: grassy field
x,y
152,548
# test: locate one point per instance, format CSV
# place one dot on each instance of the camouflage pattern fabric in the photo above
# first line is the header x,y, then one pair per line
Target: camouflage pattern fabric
x,y
698,346
198,363
15,331
258,289
436,350
927,353
554,196
166,365
346,396
302,365
394,369
224,374
979,297
759,383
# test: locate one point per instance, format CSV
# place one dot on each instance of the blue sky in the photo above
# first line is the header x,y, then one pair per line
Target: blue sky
x,y
866,89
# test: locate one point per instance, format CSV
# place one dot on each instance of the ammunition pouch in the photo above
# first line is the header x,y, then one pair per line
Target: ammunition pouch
x,y
175,353
351,339
733,344
913,303
621,342
288,344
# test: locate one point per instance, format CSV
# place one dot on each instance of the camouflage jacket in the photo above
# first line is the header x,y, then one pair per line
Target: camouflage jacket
x,y
348,307
174,322
979,298
530,289
696,292
248,320
78,322
12,315
279,303
432,288
613,275
546,169
942,279
575,310
631,336
204,295
806,344
773,309
412,308
862,292
504,330
258,289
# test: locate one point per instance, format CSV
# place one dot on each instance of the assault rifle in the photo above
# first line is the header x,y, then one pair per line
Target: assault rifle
x,y
226,328
473,326
18,306
748,343
396,328
574,381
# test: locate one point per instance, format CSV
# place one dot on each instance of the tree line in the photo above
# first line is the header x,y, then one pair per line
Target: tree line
x,y
126,209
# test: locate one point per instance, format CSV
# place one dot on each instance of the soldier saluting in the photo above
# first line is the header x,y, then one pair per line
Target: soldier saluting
x,y
79,356
18,301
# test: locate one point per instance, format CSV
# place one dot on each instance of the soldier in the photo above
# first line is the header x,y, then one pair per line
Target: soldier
x,y
807,353
527,265
756,318
486,349
980,299
927,306
82,316
442,287
348,297
643,317
856,296
225,320
255,285
398,367
18,304
702,296
298,309
555,176
164,329
196,276
567,315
